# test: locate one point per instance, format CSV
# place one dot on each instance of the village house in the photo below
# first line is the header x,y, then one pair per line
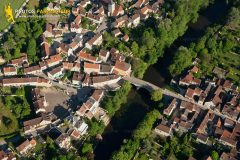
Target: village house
x,y
64,49
168,111
226,84
115,9
116,32
156,5
32,70
36,123
87,57
100,10
76,67
227,139
91,68
84,3
193,94
9,71
227,156
230,111
54,60
145,11
125,38
104,55
77,124
25,81
135,19
67,65
18,62
39,101
48,30
103,80
63,141
105,69
183,126
216,97
90,107
94,41
78,39
57,33
75,28
45,49
120,22
122,68
202,129
7,155
163,130
77,78
116,56
42,65
72,47
189,79
194,69
53,6
95,18
74,134
202,138
56,72
26,146
140,4
77,20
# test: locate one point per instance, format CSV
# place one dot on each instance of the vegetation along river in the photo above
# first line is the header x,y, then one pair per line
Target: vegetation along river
x,y
131,113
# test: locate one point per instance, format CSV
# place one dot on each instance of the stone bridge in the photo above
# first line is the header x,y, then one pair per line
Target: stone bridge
x,y
151,87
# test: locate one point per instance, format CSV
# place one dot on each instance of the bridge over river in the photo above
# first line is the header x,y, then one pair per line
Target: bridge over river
x,y
151,87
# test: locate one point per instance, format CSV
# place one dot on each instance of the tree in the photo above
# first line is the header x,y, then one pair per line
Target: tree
x,y
87,147
181,60
95,127
31,49
214,155
156,95
6,121
145,127
16,53
134,48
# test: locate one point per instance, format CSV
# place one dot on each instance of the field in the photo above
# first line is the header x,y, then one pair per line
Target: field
x,y
15,4
32,4
8,122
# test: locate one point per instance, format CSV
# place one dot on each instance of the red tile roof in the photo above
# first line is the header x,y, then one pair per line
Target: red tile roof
x,y
87,57
91,65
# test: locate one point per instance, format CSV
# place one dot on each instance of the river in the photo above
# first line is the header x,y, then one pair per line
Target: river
x,y
124,121
130,114
212,14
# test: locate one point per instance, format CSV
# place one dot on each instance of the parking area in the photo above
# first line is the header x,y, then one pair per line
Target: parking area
x,y
57,101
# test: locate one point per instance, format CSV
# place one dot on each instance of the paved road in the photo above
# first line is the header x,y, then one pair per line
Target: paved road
x,y
64,86
151,87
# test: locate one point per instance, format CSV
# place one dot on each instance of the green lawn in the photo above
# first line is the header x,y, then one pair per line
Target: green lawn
x,y
8,122
15,4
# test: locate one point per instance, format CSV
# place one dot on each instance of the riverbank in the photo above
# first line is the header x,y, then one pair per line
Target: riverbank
x,y
123,123
157,74
208,16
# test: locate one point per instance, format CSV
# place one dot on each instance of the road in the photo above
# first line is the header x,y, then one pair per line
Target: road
x,y
63,86
151,87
